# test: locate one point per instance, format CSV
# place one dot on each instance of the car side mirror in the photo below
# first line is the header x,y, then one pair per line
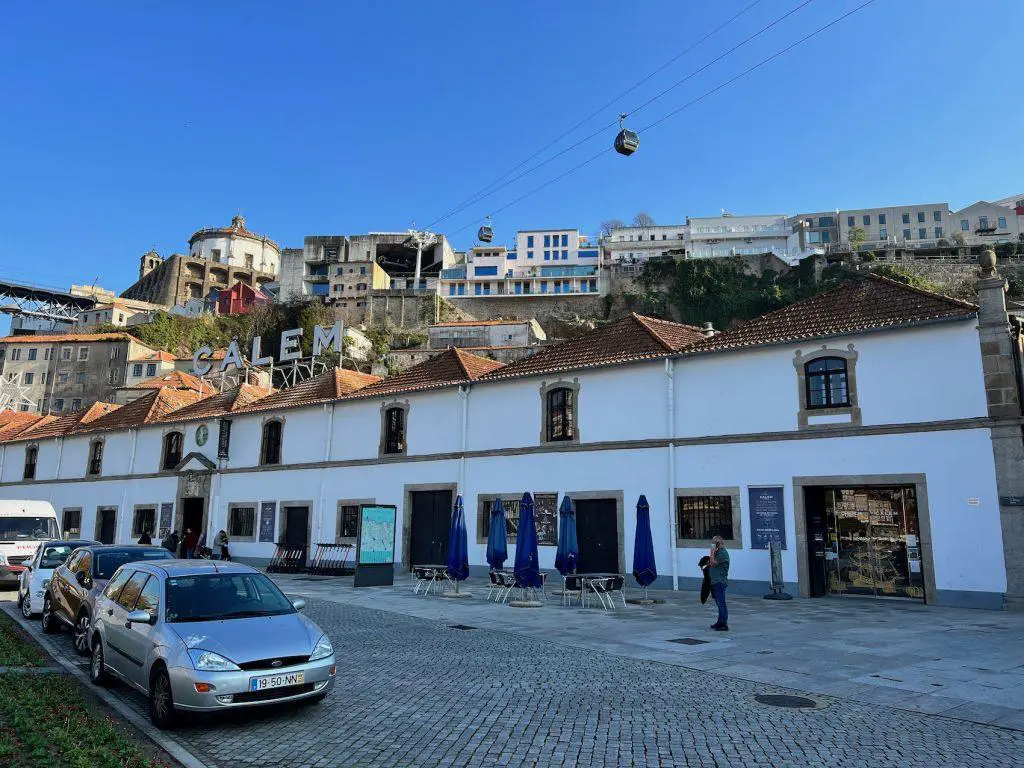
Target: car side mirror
x,y
80,577
140,617
298,603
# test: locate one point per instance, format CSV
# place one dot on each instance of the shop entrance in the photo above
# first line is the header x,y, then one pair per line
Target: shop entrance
x,y
864,541
597,531
106,525
192,516
430,526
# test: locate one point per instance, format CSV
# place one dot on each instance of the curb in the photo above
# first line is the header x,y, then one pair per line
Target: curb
x,y
142,724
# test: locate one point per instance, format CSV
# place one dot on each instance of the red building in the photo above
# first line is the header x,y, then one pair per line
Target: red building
x,y
240,299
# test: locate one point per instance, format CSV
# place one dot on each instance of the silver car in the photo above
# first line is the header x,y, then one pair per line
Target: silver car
x,y
203,636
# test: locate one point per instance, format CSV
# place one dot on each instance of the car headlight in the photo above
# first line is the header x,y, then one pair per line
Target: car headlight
x,y
322,649
208,661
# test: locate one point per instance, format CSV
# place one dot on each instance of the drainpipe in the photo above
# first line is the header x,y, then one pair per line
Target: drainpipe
x,y
464,396
56,475
131,470
3,454
670,380
321,501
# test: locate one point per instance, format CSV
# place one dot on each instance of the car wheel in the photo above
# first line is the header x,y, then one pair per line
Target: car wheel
x,y
25,603
97,669
161,702
49,620
82,627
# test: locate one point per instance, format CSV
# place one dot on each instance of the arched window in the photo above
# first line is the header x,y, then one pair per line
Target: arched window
x,y
31,454
827,383
95,457
173,442
560,414
394,430
270,453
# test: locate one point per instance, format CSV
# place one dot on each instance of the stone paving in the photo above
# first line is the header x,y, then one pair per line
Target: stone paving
x,y
415,692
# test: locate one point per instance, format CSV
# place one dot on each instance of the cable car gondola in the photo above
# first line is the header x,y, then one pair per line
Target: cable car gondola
x,y
627,141
485,234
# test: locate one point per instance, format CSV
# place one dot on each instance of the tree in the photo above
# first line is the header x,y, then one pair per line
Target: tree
x,y
857,237
643,220
608,225
959,239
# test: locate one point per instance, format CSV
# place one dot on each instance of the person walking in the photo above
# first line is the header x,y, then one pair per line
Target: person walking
x,y
145,538
189,544
718,568
221,540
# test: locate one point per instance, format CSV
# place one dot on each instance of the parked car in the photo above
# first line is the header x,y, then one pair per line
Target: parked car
x,y
205,636
73,587
23,525
39,570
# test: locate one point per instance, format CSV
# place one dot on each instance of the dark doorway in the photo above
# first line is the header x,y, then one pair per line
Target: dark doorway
x,y
192,516
814,503
106,525
429,527
296,528
597,531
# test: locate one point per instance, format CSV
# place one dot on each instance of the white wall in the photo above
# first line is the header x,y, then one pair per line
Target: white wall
x,y
233,250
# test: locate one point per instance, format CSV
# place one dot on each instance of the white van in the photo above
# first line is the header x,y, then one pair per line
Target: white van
x,y
23,525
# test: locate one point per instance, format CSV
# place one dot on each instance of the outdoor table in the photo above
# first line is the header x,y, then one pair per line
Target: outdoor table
x,y
595,583
435,576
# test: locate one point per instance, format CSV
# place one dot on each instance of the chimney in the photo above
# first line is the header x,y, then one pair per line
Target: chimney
x,y
708,330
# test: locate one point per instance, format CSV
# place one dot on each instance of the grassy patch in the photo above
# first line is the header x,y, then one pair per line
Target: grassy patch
x,y
16,649
46,721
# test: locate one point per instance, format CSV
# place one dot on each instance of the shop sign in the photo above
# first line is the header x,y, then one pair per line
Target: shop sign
x,y
268,516
323,338
767,517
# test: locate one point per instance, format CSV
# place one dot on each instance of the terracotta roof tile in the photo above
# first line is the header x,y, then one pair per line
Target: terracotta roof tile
x,y
630,339
55,338
221,404
867,303
67,424
17,423
451,367
330,385
161,356
151,407
176,380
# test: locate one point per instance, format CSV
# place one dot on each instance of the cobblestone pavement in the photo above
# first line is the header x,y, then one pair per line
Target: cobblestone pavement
x,y
415,692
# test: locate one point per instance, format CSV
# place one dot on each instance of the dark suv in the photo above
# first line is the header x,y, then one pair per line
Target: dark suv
x,y
73,587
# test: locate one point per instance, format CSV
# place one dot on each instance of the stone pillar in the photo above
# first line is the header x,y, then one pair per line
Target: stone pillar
x,y
1004,408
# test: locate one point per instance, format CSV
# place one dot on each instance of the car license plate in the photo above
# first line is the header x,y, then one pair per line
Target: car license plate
x,y
269,682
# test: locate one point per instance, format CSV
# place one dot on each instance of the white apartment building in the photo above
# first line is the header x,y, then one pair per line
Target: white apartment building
x,y
904,226
635,245
984,222
546,262
727,235
236,246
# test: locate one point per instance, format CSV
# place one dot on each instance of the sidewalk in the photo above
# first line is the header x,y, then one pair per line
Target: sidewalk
x,y
960,663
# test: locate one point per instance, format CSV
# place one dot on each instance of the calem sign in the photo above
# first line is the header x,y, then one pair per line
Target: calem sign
x,y
323,338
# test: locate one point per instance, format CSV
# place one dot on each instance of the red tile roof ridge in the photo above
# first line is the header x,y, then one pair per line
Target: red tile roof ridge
x,y
475,366
650,325
54,338
915,289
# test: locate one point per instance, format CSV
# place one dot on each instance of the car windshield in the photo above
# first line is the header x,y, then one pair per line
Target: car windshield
x,y
55,555
27,527
109,561
218,596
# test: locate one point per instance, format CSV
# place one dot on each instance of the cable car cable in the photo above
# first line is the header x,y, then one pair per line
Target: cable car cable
x,y
473,198
674,112
614,123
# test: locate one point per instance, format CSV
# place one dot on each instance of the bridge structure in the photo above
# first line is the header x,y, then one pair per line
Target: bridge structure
x,y
41,302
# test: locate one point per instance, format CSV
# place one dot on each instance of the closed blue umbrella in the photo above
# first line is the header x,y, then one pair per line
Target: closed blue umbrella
x,y
568,553
458,547
644,569
497,539
527,567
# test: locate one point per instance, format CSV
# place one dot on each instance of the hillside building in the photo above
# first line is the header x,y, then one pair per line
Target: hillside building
x,y
635,245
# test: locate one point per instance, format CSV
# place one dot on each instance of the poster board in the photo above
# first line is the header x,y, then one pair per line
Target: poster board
x,y
166,516
375,545
767,516
268,520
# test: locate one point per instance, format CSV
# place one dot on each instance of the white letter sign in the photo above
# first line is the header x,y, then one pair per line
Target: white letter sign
x,y
329,339
290,345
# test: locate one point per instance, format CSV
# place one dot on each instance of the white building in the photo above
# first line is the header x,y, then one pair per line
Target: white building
x,y
635,245
727,235
236,246
985,222
903,226
820,425
545,262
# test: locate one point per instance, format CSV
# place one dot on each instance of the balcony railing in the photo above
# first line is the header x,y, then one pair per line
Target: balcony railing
x,y
568,271
454,273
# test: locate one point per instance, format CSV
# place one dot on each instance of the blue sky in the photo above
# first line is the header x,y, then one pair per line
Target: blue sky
x,y
129,126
